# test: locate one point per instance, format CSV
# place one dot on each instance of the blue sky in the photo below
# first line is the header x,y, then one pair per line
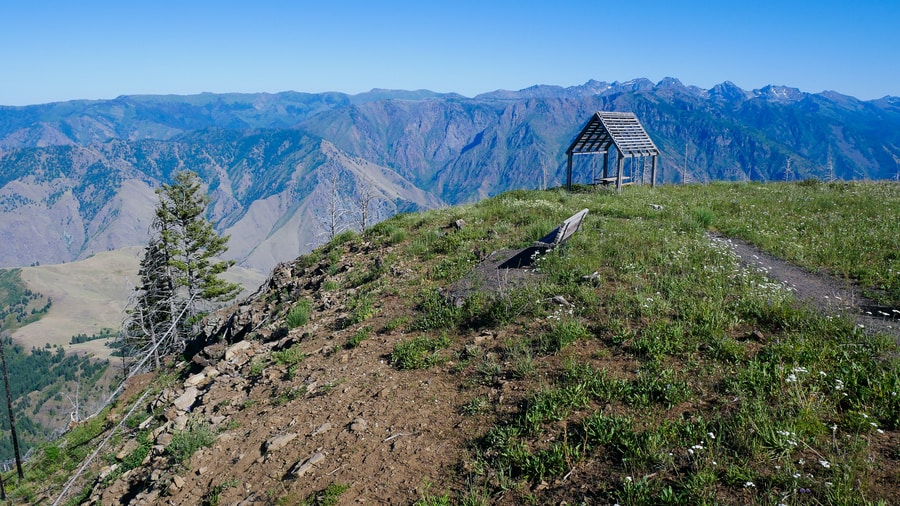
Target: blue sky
x,y
67,49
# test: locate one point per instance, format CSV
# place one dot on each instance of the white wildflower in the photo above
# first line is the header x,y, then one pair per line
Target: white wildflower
x,y
825,464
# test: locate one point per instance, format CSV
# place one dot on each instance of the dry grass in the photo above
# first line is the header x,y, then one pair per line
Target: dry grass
x,y
89,295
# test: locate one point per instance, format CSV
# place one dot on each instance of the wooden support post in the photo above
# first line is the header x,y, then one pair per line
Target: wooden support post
x,y
653,171
620,169
569,173
606,164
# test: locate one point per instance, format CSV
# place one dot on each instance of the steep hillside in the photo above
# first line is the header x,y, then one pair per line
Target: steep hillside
x,y
68,202
639,363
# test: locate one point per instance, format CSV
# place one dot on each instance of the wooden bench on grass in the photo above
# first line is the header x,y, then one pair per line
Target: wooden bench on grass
x,y
611,180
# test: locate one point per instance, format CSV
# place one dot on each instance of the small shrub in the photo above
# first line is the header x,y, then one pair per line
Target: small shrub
x,y
702,216
437,312
359,336
186,442
518,353
657,385
136,457
309,260
299,314
288,395
362,308
394,324
475,406
214,496
343,237
396,237
419,353
290,356
561,334
257,366
330,496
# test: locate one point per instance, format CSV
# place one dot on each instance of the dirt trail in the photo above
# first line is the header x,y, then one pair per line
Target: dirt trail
x,y
822,291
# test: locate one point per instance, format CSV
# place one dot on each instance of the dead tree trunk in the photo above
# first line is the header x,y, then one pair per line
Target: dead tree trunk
x,y
12,417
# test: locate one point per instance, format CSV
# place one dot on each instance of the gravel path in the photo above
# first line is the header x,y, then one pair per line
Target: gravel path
x,y
825,292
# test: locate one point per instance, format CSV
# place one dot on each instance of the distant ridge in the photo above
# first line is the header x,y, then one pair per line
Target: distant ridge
x,y
77,177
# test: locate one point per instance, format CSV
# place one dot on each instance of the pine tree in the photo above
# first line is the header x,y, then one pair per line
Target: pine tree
x,y
152,307
191,241
180,276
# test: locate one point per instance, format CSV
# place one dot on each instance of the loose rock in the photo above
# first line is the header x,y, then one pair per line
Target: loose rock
x,y
303,467
235,349
325,427
279,442
359,425
187,399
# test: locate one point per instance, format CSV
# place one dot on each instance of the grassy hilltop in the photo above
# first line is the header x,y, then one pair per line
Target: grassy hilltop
x,y
673,376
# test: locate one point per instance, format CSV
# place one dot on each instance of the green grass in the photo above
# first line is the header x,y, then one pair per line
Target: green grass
x,y
290,356
329,496
359,336
849,229
651,374
419,353
299,314
362,307
186,442
653,385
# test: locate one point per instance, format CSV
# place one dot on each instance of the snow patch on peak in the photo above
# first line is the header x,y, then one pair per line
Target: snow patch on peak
x,y
779,93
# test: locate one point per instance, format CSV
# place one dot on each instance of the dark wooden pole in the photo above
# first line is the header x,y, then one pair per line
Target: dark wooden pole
x,y
606,164
653,171
12,417
620,168
2,488
569,173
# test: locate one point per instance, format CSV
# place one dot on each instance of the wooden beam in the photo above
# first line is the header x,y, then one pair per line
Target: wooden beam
x,y
653,171
569,173
621,168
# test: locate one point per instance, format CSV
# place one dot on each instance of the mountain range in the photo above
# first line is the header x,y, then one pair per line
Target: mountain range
x,y
77,177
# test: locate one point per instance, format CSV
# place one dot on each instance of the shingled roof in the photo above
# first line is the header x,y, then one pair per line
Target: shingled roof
x,y
620,128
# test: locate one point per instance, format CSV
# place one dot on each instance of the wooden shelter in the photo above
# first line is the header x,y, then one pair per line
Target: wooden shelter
x,y
621,130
